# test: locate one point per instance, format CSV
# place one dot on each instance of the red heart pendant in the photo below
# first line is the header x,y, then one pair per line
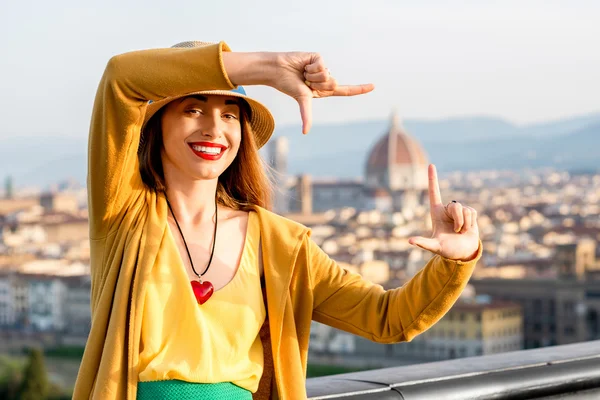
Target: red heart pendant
x,y
202,291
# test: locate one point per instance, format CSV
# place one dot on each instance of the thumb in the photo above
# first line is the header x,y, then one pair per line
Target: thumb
x,y
429,244
305,103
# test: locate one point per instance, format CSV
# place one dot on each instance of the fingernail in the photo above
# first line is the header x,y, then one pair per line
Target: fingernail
x,y
307,83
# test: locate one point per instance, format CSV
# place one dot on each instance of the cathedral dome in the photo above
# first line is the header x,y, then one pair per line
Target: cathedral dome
x,y
396,147
397,161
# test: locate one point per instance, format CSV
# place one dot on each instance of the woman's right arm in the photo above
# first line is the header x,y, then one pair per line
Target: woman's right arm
x,y
129,82
132,79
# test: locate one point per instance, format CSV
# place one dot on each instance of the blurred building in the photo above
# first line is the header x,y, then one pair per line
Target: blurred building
x,y
302,200
59,201
77,310
473,327
14,300
7,309
397,162
556,311
278,158
8,188
395,178
47,299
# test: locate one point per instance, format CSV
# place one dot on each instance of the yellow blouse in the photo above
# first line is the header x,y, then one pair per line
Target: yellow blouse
x,y
214,342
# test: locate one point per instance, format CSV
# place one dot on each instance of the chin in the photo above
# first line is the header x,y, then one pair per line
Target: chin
x,y
207,173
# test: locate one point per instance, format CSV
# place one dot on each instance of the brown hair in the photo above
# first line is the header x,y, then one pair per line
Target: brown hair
x,y
242,185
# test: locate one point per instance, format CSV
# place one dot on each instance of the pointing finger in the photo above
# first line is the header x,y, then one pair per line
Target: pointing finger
x,y
305,103
353,90
435,198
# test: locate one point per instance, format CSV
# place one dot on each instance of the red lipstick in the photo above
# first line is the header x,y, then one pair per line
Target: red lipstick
x,y
208,150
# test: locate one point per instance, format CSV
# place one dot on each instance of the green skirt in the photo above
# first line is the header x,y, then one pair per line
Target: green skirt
x,y
181,390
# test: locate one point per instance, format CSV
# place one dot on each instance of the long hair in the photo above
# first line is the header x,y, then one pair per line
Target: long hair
x,y
241,186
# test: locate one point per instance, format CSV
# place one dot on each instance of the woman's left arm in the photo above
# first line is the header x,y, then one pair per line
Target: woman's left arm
x,y
346,301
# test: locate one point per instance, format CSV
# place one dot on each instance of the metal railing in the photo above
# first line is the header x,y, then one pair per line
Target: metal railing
x,y
559,372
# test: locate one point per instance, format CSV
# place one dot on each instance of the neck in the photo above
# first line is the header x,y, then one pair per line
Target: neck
x,y
193,202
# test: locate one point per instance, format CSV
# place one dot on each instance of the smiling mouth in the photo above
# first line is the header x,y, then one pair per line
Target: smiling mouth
x,y
207,150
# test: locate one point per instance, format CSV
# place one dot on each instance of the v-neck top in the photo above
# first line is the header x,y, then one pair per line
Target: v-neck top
x,y
217,341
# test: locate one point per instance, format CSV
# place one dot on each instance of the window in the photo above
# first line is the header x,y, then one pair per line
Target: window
x,y
569,330
552,307
568,307
537,306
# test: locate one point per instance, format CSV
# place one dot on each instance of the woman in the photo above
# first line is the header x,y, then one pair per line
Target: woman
x,y
197,290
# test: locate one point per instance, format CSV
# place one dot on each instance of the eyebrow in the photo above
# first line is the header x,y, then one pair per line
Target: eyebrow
x,y
204,99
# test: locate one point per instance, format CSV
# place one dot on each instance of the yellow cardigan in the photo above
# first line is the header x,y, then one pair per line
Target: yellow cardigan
x,y
128,225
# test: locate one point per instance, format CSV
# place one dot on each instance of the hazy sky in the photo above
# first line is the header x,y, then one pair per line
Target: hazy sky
x,y
523,60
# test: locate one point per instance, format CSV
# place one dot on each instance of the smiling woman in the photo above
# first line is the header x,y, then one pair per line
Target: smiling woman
x,y
192,123
198,291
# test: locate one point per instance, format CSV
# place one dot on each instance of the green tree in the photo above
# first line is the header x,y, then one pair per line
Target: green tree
x,y
10,380
35,384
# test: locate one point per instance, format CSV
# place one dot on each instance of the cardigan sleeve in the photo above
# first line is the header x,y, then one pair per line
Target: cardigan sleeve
x,y
346,301
130,80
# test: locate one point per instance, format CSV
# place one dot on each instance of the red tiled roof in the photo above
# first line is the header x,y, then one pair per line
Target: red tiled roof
x,y
407,150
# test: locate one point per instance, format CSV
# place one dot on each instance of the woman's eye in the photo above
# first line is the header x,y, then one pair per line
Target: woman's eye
x,y
230,116
194,111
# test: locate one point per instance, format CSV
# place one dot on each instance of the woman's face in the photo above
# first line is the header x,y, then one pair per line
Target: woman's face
x,y
201,135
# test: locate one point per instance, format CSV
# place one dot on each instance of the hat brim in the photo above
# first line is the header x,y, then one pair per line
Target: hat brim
x,y
261,119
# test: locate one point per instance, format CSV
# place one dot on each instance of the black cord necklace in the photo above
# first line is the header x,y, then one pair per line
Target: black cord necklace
x,y
202,289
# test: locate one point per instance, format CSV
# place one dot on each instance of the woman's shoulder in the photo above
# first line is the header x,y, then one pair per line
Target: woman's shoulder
x,y
283,226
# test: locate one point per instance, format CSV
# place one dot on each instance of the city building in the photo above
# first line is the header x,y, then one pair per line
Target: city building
x,y
395,178
47,297
77,310
7,307
474,326
559,310
60,201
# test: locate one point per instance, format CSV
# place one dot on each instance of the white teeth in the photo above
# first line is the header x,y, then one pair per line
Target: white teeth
x,y
207,150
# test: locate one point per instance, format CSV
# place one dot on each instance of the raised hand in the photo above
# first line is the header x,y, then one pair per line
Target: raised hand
x,y
455,231
304,76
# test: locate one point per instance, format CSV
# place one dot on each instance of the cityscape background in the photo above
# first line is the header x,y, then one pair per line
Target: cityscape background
x,y
502,98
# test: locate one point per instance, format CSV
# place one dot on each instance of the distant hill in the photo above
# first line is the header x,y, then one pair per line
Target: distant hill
x,y
454,144
341,149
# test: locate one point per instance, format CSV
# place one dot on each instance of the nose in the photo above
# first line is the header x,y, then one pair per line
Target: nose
x,y
210,126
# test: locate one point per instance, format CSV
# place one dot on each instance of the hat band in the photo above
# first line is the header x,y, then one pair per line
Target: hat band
x,y
239,89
